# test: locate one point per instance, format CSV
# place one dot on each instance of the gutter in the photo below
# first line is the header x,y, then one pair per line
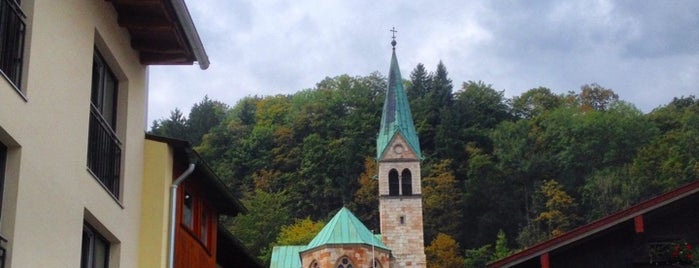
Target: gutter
x,y
173,213
191,33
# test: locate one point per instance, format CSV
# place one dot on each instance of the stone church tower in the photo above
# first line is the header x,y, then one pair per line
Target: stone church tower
x,y
400,191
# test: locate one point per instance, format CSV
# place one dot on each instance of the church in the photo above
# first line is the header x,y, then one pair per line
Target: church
x,y
345,242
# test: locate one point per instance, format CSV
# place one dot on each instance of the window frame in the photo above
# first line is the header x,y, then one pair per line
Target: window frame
x,y
13,30
87,251
201,216
104,152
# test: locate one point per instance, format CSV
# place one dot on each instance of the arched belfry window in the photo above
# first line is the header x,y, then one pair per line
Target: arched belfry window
x,y
406,182
393,182
344,262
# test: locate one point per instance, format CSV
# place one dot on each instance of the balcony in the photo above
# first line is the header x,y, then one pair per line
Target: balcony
x,y
103,152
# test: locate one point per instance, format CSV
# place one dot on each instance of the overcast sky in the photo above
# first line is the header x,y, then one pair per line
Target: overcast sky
x,y
646,51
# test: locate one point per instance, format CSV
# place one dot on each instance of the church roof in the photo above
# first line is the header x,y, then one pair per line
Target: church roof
x,y
396,116
344,228
286,257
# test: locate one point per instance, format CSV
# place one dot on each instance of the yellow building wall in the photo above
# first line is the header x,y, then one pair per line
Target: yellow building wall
x,y
157,178
49,193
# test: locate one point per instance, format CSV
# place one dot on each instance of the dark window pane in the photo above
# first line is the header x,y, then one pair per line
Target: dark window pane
x,y
95,249
407,181
393,182
187,210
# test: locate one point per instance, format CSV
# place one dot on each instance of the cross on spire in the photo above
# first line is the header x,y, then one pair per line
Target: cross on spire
x,y
393,43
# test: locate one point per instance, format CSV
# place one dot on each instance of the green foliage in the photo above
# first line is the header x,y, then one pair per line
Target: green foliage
x,y
478,257
489,160
442,201
202,118
267,213
559,214
443,252
501,248
366,199
299,233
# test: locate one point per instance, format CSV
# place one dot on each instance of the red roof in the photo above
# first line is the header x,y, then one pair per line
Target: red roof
x,y
597,226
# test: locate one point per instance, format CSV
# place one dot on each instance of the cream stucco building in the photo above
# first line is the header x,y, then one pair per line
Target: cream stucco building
x,y
73,96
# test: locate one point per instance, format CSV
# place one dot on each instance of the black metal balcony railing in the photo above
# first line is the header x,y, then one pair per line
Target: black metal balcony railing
x,y
3,251
103,152
12,30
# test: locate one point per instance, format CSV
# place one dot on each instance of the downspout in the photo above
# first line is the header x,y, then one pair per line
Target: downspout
x,y
173,213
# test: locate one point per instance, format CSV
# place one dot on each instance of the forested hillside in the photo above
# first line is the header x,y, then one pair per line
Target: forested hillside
x,y
518,170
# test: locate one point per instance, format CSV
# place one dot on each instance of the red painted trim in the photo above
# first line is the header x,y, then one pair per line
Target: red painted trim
x,y
599,225
545,260
638,223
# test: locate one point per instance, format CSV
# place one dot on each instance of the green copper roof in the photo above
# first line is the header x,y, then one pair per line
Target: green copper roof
x,y
396,117
286,257
345,228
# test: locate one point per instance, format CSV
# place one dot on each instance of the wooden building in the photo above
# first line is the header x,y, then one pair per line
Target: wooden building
x,y
201,198
659,232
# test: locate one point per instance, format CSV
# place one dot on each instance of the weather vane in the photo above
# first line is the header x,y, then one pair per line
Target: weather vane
x,y
393,43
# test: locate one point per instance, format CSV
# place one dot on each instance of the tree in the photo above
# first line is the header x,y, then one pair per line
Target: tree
x,y
174,127
420,82
535,102
559,215
267,213
501,248
203,116
299,233
595,97
443,252
478,257
366,199
442,202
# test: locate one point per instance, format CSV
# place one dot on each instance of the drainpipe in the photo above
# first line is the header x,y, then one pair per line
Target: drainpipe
x,y
173,213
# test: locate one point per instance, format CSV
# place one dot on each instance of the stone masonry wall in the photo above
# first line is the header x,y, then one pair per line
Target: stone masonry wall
x,y
402,229
359,255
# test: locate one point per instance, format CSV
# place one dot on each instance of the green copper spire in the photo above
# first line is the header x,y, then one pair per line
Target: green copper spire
x,y
396,117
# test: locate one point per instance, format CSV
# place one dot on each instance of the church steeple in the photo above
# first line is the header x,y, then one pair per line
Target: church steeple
x,y
396,116
400,187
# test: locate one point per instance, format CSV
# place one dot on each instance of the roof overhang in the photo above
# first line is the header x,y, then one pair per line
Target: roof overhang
x,y
217,191
162,31
597,226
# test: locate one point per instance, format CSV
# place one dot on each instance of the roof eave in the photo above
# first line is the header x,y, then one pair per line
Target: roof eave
x,y
191,33
598,225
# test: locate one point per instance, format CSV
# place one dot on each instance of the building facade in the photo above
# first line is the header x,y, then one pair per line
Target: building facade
x,y
73,96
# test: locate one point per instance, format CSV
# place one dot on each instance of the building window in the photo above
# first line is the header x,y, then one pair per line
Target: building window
x,y
12,29
377,264
104,148
393,182
204,231
406,182
196,216
188,210
401,219
344,263
95,249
